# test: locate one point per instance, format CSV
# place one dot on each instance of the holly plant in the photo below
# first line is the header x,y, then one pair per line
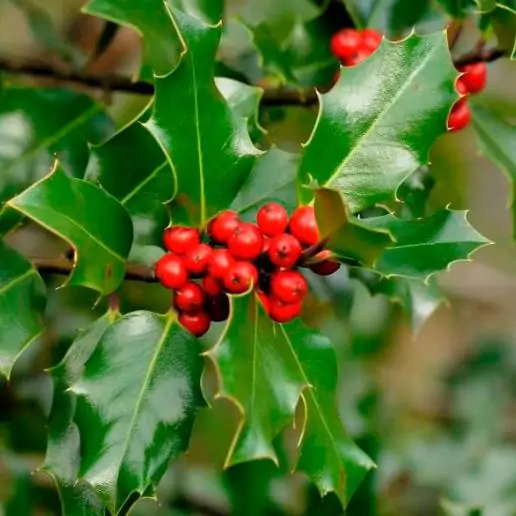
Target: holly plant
x,y
177,241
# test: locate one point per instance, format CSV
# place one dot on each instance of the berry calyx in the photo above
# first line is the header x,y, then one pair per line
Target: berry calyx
x,y
289,286
283,312
272,219
218,307
211,286
285,250
240,277
474,78
345,43
180,239
325,268
246,243
303,225
219,263
223,226
371,39
460,115
171,272
196,260
190,298
197,323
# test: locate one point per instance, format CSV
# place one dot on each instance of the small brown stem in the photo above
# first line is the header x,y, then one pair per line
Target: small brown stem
x,y
310,252
454,32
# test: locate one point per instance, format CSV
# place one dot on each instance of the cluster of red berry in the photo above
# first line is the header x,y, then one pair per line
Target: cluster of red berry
x,y
472,81
353,46
237,255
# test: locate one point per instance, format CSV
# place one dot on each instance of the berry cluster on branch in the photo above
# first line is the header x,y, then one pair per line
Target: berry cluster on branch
x,y
233,257
353,46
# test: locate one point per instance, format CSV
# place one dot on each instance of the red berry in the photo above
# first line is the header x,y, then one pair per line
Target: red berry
x,y
197,323
289,286
219,263
461,89
272,219
196,260
460,115
240,277
475,77
264,300
325,268
211,286
266,245
357,58
190,298
371,39
246,243
345,43
218,307
281,312
171,272
180,239
304,226
222,226
285,250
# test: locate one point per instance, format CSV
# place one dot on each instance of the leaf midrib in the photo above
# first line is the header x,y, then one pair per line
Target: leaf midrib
x,y
17,280
147,180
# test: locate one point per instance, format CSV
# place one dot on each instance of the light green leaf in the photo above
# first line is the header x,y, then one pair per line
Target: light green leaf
x,y
63,450
485,6
162,45
496,139
210,11
265,380
346,236
96,224
136,402
375,128
208,148
254,12
22,304
425,246
271,180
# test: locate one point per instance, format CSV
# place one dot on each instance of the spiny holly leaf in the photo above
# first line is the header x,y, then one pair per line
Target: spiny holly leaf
x,y
209,149
96,224
272,179
255,12
265,379
147,181
376,127
22,304
244,101
496,139
136,402
346,236
63,451
210,11
458,8
36,124
503,21
425,246
162,45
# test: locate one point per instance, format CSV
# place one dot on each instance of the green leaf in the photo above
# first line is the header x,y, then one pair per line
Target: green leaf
x,y
37,124
265,380
22,305
346,236
485,6
425,246
63,450
162,44
93,222
496,139
148,181
210,11
375,128
503,22
208,148
272,179
136,403
458,8
458,509
254,12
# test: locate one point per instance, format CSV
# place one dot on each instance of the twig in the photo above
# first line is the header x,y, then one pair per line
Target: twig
x,y
64,267
454,32
480,55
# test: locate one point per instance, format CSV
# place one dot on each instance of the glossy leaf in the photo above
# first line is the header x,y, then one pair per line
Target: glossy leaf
x,y
425,246
22,305
152,19
210,11
148,181
496,139
63,451
265,380
93,222
136,402
272,179
209,149
37,124
376,127
347,237
254,12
